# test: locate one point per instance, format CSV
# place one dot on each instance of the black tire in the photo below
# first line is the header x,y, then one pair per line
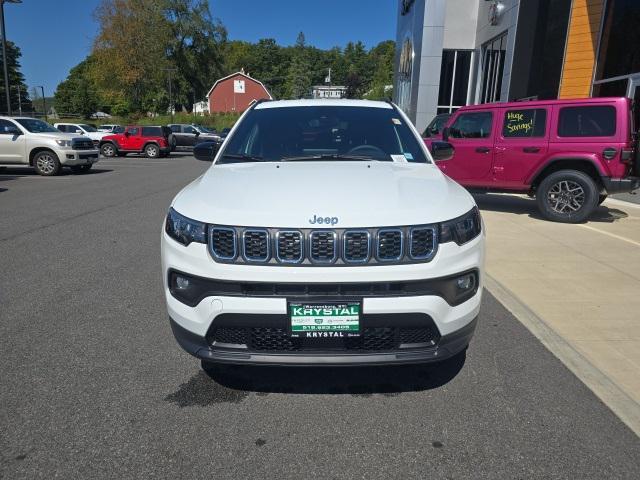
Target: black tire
x,y
602,198
567,196
46,163
81,168
108,150
152,150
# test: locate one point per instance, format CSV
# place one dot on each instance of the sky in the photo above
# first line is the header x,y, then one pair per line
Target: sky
x,y
55,35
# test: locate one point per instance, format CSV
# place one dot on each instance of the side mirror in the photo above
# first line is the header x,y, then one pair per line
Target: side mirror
x,y
126,134
80,132
445,134
442,151
197,134
205,151
13,131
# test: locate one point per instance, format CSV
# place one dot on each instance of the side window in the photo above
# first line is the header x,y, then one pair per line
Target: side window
x,y
188,129
133,130
472,125
596,121
6,126
175,128
62,128
525,123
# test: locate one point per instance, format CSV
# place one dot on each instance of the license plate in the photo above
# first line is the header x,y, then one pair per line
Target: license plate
x,y
325,320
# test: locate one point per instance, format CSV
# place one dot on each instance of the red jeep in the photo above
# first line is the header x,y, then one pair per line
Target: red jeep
x,y
569,154
152,141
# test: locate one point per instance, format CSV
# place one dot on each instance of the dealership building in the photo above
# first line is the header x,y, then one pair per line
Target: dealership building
x,y
452,53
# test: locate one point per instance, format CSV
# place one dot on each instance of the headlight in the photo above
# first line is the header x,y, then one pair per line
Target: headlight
x,y
462,229
64,143
183,229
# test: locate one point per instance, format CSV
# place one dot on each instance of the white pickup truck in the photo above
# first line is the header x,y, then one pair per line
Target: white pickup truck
x,y
29,141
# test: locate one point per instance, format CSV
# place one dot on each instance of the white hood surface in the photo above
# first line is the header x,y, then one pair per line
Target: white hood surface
x,y
289,194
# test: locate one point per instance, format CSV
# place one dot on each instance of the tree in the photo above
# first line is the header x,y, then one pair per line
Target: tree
x,y
299,75
78,93
16,82
382,56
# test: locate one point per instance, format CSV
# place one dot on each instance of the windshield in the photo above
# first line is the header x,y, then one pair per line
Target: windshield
x,y
88,128
323,132
36,126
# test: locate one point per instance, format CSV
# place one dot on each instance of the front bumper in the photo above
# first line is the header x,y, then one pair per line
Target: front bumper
x,y
453,325
77,157
446,347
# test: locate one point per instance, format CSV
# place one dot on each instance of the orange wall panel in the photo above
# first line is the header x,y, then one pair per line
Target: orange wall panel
x,y
580,51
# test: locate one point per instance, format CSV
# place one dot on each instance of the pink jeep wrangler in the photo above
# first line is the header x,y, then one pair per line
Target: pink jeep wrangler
x,y
570,154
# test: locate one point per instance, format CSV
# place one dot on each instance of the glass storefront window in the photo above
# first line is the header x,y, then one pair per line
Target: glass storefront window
x,y
492,62
454,79
405,70
618,54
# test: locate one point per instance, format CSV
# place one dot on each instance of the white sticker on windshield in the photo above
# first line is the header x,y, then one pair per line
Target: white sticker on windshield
x,y
398,158
396,121
408,155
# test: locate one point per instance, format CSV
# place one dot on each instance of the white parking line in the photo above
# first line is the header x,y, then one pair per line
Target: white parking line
x,y
612,235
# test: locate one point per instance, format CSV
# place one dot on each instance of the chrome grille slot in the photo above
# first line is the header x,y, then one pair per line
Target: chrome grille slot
x,y
356,246
82,144
222,243
255,244
423,243
390,244
323,246
289,247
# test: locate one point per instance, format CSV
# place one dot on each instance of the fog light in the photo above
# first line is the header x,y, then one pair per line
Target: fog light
x,y
467,282
182,283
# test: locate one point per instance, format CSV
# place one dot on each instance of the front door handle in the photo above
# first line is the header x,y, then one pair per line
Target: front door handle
x,y
483,149
531,149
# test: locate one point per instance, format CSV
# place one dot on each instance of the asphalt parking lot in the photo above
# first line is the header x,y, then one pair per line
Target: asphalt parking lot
x,y
93,385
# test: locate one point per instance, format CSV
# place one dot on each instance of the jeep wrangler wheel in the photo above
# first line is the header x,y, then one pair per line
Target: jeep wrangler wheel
x,y
46,163
81,168
108,150
567,196
152,151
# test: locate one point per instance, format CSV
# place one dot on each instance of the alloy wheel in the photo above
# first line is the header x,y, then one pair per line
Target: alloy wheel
x,y
566,196
46,163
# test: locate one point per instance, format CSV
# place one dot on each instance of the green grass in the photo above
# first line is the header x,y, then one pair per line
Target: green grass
x,y
216,120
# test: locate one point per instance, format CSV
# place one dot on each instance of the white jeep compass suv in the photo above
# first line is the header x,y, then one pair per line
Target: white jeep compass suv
x,y
323,234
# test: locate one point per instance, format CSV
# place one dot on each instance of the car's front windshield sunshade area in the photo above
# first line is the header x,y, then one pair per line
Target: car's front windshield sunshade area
x,y
36,126
323,133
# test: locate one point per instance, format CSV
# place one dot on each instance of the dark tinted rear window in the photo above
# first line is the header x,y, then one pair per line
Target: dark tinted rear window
x,y
596,121
524,123
152,131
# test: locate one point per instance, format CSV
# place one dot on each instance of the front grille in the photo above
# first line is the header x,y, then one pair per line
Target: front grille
x,y
335,247
290,247
356,246
323,246
222,242
276,338
256,245
82,144
390,244
423,242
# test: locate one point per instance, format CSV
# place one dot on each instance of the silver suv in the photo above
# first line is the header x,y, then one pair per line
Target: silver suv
x,y
29,141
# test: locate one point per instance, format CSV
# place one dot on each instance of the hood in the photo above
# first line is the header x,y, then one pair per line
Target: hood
x,y
58,136
355,194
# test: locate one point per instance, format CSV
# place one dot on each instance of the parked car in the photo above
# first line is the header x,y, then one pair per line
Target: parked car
x,y
434,129
153,141
29,141
81,129
569,154
323,234
109,128
190,135
224,133
206,150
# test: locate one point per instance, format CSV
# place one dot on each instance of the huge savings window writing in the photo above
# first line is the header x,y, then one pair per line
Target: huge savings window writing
x,y
524,123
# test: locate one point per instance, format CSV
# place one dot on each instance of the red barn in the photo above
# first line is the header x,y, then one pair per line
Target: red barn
x,y
235,93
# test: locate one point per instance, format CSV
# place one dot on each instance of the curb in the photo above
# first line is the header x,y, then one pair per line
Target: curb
x,y
625,407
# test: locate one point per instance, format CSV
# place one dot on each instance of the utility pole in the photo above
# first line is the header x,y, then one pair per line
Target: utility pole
x,y
44,103
171,107
4,54
19,99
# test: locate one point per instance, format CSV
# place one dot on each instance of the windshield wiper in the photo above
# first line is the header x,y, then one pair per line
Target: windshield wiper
x,y
330,156
243,156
